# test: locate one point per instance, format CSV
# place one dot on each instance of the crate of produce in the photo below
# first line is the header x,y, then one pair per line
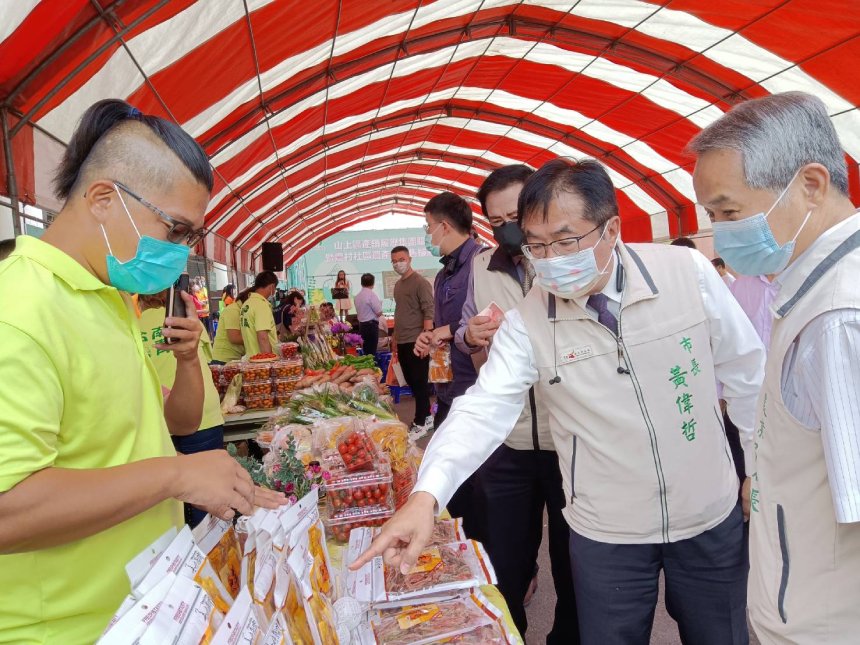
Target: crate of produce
x,y
284,387
261,388
217,374
339,528
289,350
288,369
357,450
256,372
259,402
229,371
372,489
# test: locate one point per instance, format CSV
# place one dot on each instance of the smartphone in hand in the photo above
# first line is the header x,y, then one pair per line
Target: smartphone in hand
x,y
175,303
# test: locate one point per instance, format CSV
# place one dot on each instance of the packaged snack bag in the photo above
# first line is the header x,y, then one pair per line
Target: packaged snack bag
x,y
139,566
440,569
441,370
176,615
129,627
277,634
238,620
217,539
421,624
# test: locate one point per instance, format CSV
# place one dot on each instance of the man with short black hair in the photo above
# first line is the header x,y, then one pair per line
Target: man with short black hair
x,y
624,343
683,241
413,314
522,478
448,233
720,266
368,306
6,248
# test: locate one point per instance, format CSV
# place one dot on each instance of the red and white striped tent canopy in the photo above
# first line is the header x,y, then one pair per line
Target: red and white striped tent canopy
x,y
318,115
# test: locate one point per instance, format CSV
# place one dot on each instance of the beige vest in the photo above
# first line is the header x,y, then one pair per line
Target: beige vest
x,y
643,454
804,583
532,429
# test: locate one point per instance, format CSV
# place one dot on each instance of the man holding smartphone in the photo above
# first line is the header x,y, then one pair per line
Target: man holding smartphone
x,y
88,475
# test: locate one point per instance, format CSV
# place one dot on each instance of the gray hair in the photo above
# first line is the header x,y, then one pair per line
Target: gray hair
x,y
776,135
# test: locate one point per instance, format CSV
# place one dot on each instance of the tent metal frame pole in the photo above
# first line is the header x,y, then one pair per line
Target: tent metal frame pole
x,y
11,180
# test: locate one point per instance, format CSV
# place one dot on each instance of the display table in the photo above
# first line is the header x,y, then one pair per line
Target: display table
x,y
244,426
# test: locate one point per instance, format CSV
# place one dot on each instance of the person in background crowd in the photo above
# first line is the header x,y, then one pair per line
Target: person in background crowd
x,y
755,294
628,381
228,344
771,173
343,304
256,317
413,314
327,313
368,306
449,221
210,434
683,241
522,477
228,297
6,248
720,266
201,302
88,474
289,314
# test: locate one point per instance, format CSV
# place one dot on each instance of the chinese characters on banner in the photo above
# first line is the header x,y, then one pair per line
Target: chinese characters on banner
x,y
375,249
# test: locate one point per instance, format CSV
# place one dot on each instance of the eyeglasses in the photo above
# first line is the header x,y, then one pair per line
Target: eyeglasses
x,y
566,246
179,232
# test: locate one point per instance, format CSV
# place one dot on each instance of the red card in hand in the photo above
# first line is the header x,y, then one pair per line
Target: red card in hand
x,y
493,312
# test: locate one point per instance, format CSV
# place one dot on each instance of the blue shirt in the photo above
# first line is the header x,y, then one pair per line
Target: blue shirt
x,y
368,305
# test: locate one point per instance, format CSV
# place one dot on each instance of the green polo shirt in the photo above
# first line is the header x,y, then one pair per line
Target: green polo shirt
x,y
222,349
256,315
76,391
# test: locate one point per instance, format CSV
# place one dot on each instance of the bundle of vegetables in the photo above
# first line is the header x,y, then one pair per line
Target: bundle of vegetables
x,y
316,352
328,401
340,373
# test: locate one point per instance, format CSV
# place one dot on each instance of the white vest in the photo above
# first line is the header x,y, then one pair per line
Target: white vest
x,y
497,285
804,583
643,454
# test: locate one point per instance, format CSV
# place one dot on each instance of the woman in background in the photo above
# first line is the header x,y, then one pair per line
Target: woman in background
x,y
343,304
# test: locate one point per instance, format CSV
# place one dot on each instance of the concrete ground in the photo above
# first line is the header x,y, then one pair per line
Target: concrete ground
x,y
540,611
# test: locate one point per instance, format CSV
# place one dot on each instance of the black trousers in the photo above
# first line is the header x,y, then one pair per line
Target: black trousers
x,y
706,587
416,370
733,436
514,487
370,336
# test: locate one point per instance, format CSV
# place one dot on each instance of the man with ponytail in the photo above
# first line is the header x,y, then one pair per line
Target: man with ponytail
x,y
88,474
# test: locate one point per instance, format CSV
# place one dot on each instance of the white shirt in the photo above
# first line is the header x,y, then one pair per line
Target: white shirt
x,y
821,389
481,419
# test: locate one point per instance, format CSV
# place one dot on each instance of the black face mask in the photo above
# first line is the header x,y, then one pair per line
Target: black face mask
x,y
510,237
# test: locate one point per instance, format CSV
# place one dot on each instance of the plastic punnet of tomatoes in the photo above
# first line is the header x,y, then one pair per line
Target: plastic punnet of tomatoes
x,y
338,528
348,493
288,369
256,372
357,451
261,388
229,370
260,402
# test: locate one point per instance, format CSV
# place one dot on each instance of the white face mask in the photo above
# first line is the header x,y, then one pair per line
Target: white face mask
x,y
400,267
570,276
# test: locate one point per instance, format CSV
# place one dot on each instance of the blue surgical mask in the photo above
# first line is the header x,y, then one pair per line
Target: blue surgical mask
x,y
156,264
434,249
748,245
569,276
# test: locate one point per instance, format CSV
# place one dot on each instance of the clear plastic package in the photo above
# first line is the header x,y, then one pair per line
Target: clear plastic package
x,y
284,387
340,527
288,369
260,388
357,450
262,402
348,492
255,372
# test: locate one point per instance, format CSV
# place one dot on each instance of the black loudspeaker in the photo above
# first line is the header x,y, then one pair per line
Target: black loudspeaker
x,y
273,256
